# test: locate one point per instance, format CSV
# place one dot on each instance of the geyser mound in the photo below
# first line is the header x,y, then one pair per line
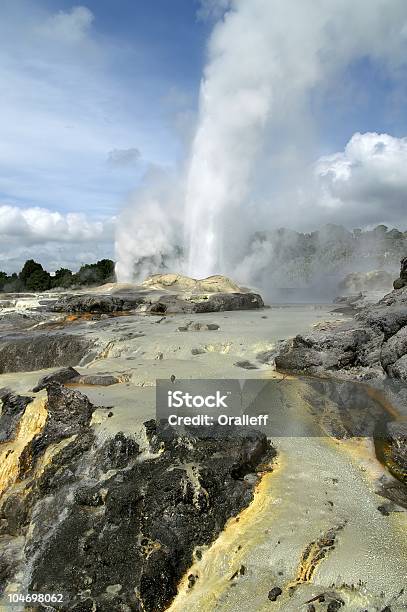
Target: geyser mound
x,y
182,283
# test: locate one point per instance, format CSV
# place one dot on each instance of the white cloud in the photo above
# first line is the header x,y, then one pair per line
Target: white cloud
x,y
365,182
52,237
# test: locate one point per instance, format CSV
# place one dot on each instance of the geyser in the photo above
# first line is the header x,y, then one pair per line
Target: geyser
x,y
254,140
265,57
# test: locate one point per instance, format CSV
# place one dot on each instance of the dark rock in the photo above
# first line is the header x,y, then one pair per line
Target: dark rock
x,y
372,346
246,365
274,593
401,282
61,376
117,452
69,413
335,605
104,380
220,302
98,304
41,351
217,302
198,351
324,351
116,533
396,449
12,409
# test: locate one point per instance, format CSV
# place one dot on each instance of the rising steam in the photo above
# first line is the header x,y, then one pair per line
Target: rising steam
x,y
254,140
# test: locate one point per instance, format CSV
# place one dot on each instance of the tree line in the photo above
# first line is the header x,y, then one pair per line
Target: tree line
x,y
33,277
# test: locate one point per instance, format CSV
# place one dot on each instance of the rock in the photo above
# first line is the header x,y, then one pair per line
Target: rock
x,y
274,593
40,351
398,369
198,351
229,301
16,321
395,453
401,282
180,283
198,326
394,348
117,452
103,380
12,408
372,346
246,365
97,303
335,605
319,352
120,522
216,302
61,376
384,318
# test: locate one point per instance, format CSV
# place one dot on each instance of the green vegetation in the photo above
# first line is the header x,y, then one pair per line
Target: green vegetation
x,y
33,277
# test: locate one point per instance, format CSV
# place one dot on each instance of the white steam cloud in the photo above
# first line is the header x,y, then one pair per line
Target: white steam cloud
x,y
149,229
251,158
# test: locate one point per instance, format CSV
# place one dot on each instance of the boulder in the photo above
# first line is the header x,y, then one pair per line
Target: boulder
x,y
12,408
40,351
61,376
401,282
97,304
215,302
396,449
229,301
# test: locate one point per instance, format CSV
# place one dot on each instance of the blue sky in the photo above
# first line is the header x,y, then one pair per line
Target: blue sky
x,y
117,76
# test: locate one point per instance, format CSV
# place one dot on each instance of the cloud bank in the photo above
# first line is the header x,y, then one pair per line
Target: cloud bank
x,y
366,181
55,239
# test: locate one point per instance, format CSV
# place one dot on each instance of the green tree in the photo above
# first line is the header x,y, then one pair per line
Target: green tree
x,y
3,280
95,274
39,280
28,269
62,278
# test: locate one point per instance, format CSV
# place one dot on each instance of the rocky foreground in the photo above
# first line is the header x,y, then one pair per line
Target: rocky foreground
x,y
98,502
108,527
112,522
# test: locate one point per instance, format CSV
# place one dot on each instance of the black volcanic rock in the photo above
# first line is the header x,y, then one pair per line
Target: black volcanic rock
x,y
111,531
37,351
98,304
61,376
229,301
12,408
401,282
396,449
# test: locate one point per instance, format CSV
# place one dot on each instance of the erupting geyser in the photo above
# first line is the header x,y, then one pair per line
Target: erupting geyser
x,y
267,60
